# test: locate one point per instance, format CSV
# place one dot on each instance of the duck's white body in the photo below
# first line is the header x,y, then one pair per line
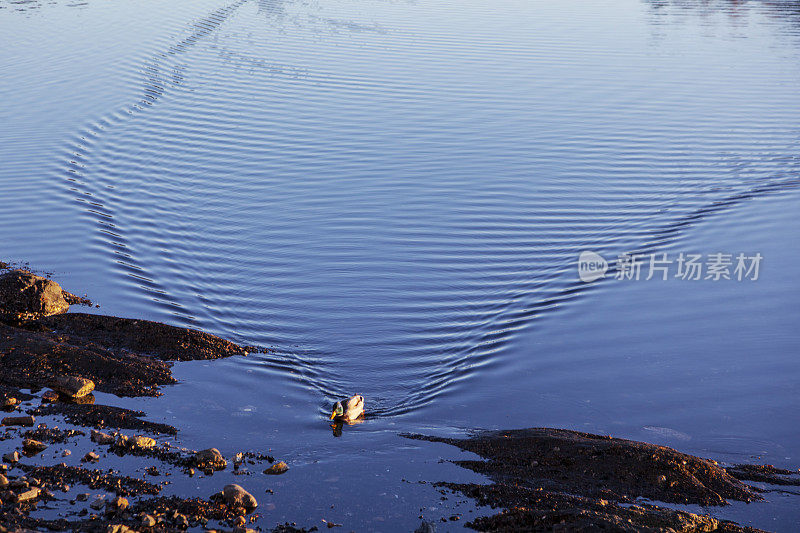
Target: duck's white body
x,y
348,410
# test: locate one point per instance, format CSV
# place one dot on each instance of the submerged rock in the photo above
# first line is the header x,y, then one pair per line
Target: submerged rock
x,y
25,296
235,496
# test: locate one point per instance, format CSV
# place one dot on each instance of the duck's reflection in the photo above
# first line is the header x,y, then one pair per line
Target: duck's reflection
x,y
337,426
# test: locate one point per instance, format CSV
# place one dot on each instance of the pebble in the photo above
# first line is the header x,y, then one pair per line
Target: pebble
x,y
11,457
50,396
98,503
148,521
90,457
101,438
3,481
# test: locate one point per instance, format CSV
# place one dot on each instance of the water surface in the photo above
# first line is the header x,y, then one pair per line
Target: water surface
x,y
392,196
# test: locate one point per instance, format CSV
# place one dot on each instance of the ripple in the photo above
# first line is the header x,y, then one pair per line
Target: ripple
x,y
387,200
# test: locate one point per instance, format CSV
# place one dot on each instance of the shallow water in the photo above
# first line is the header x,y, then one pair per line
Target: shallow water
x,y
392,197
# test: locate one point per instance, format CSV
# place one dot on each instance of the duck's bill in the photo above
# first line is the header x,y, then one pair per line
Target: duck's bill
x,y
333,415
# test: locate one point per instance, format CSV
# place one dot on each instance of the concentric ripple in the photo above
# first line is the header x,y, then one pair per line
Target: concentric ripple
x,y
386,193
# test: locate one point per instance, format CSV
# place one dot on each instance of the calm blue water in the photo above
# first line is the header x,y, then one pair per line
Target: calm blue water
x,y
392,197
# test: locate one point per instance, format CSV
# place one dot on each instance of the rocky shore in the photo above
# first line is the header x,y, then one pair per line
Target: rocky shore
x,y
51,364
558,480
62,359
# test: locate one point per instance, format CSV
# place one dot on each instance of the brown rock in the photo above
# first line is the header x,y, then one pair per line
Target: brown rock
x,y
278,468
73,386
119,503
234,496
11,457
32,446
25,296
30,494
90,457
101,438
18,421
3,481
9,402
98,503
50,396
210,458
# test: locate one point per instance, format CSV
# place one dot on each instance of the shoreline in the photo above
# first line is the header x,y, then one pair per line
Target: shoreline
x,y
543,479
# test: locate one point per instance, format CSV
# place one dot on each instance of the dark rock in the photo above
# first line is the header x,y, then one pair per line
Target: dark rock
x,y
11,457
31,446
25,296
18,421
101,438
50,396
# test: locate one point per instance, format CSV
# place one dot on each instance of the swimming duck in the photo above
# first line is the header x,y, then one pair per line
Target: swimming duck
x,y
348,410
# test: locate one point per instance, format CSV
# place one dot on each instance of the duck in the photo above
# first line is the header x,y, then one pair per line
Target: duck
x,y
348,410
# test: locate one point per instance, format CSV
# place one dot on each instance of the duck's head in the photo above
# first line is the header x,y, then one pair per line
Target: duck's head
x,y
338,410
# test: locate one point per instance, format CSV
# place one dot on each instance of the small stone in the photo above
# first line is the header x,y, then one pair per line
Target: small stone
x,y
210,458
18,421
234,495
3,481
101,438
603,503
66,453
65,488
73,386
278,468
30,494
9,402
82,497
98,503
120,503
148,521
119,528
50,396
32,446
662,479
239,521
140,442
11,457
90,457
